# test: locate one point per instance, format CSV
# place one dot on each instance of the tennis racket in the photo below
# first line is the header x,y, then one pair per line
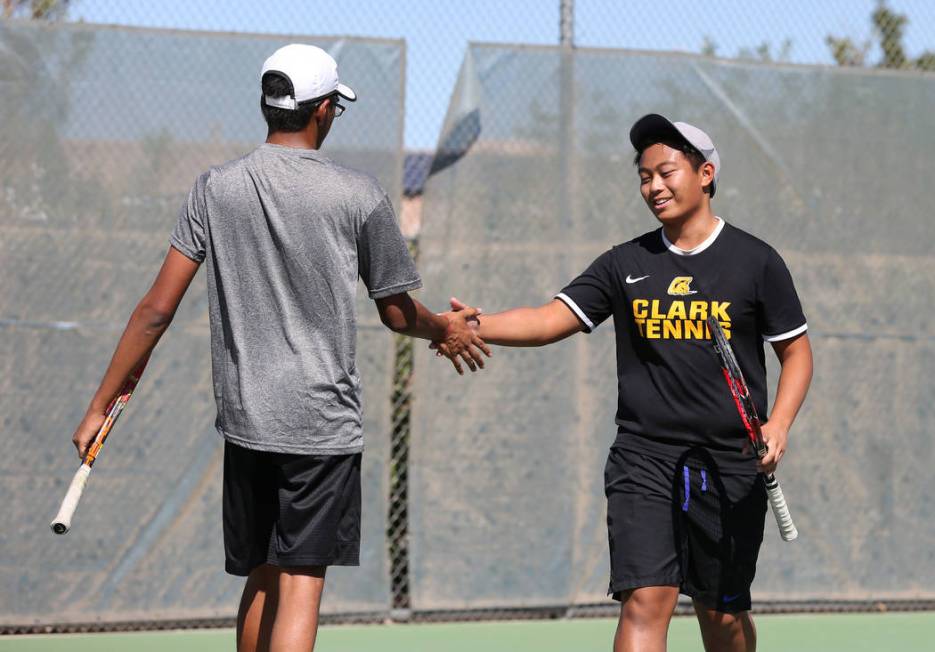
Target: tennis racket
x,y
751,422
62,521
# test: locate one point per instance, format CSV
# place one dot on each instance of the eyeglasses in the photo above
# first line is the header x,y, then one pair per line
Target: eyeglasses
x,y
338,108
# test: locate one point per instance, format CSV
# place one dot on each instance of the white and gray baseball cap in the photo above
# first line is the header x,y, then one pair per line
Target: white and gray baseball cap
x,y
652,127
311,71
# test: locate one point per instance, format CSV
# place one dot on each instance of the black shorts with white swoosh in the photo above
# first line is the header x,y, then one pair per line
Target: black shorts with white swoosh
x,y
683,523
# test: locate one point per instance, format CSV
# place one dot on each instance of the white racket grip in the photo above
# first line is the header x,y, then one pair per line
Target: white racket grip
x,y
62,521
780,510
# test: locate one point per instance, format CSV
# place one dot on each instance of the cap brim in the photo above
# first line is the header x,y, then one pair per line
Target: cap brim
x,y
652,127
347,93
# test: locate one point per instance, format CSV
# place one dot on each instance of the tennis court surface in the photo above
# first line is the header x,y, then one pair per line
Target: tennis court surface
x,y
906,632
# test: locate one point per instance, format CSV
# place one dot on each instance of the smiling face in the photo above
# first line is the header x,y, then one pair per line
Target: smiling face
x,y
671,184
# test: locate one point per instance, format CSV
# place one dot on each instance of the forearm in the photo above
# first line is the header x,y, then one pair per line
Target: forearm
x,y
138,340
794,380
526,327
408,316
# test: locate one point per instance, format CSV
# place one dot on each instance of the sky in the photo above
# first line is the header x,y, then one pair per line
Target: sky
x,y
437,31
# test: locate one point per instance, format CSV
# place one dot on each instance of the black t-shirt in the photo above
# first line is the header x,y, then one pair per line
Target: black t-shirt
x,y
671,391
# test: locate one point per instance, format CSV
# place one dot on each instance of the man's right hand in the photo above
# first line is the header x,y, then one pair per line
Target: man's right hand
x,y
87,431
462,343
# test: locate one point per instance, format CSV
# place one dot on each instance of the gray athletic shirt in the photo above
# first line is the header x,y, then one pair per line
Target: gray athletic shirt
x,y
285,233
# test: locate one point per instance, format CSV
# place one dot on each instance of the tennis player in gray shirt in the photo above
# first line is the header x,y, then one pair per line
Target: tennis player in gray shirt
x,y
284,234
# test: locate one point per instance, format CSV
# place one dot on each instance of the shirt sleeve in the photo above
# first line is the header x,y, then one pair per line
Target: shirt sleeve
x,y
779,310
189,234
384,263
590,296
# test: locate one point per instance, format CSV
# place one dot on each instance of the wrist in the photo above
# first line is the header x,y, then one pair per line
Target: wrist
x,y
96,407
444,325
780,421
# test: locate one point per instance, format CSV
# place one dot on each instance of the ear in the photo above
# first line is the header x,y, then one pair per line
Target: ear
x,y
321,113
707,173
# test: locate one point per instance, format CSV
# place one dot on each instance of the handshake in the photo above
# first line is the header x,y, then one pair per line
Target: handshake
x,y
462,342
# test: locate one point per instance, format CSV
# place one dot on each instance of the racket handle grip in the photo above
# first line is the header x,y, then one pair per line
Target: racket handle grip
x,y
780,510
62,521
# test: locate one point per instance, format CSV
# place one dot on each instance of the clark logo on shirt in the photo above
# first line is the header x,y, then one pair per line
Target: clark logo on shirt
x,y
679,287
680,320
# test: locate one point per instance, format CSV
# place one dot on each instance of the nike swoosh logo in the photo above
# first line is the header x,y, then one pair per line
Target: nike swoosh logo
x,y
630,279
729,598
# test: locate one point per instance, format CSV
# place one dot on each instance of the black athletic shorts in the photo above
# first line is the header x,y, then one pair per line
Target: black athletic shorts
x,y
682,523
290,510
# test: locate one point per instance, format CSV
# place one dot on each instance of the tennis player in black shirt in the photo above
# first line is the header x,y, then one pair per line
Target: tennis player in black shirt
x,y
685,501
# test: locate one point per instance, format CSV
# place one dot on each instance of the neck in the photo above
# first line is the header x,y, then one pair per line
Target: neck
x,y
691,230
305,139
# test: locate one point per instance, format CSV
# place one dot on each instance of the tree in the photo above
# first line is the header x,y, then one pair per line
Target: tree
x,y
37,179
708,47
846,53
763,52
889,29
35,9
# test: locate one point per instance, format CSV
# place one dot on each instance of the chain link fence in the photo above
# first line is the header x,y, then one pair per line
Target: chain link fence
x,y
546,189
104,132
104,128
866,33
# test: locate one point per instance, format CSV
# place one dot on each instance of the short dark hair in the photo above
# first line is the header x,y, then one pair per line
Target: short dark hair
x,y
290,120
695,158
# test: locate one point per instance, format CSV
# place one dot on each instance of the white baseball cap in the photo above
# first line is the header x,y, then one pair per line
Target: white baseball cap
x,y
311,71
654,126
